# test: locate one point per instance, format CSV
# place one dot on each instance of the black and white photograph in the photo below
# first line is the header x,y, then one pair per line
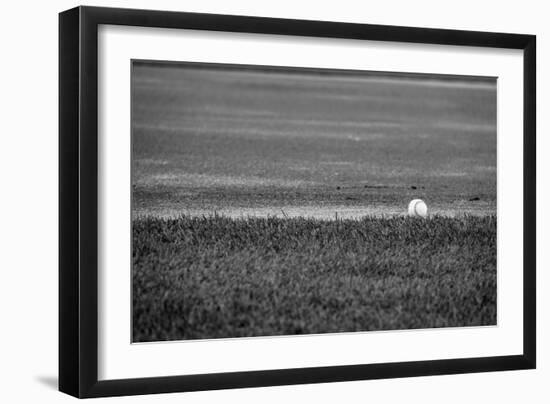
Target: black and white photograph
x,y
297,198
271,201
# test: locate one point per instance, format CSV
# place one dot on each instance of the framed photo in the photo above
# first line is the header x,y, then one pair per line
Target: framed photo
x,y
251,201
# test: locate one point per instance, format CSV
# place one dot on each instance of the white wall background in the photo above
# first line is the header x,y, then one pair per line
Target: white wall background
x,y
28,202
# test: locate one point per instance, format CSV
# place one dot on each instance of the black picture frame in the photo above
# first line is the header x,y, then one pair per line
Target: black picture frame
x,y
78,201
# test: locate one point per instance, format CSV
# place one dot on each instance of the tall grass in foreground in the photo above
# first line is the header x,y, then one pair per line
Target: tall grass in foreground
x,y
217,277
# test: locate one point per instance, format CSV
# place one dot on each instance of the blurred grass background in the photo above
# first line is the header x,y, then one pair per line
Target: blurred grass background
x,y
241,140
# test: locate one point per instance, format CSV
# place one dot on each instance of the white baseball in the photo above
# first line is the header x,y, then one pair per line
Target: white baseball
x,y
418,208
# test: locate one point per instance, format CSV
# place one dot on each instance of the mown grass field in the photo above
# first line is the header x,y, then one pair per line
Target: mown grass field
x,y
220,277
